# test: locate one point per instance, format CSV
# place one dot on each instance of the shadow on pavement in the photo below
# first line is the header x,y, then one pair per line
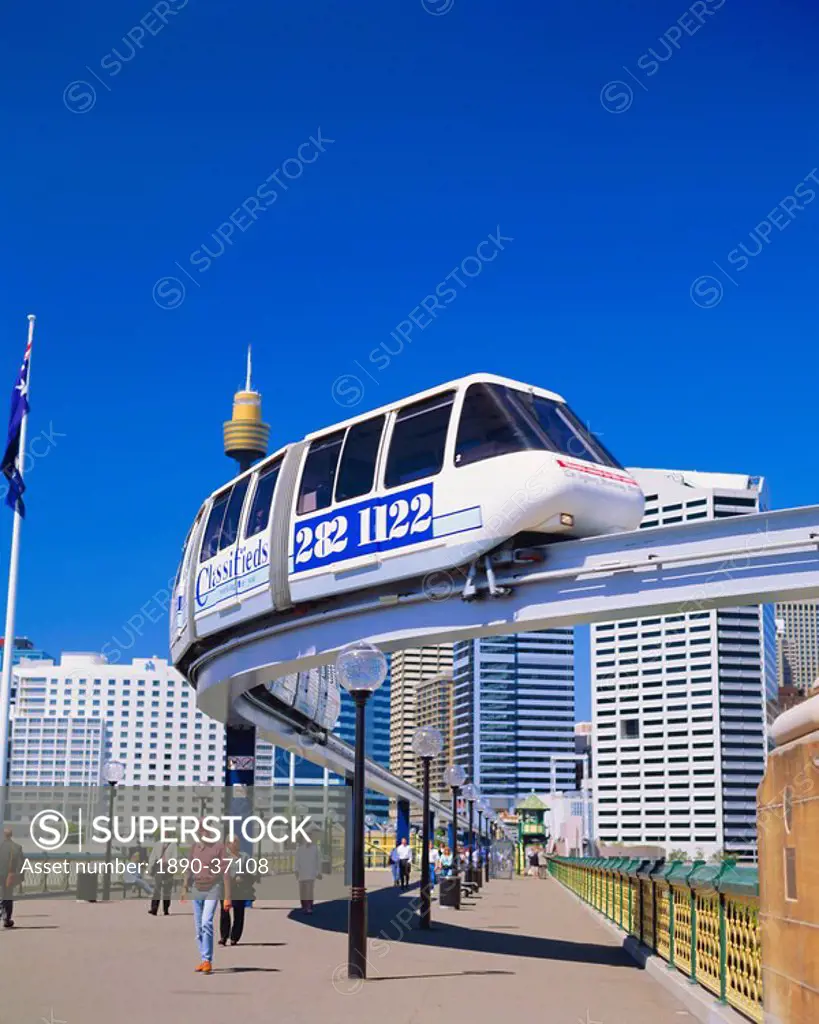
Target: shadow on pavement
x,y
393,919
451,974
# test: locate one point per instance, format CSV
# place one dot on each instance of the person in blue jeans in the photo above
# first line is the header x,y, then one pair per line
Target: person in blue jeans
x,y
206,881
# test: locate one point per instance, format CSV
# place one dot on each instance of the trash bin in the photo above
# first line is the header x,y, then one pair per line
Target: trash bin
x,y
449,894
87,886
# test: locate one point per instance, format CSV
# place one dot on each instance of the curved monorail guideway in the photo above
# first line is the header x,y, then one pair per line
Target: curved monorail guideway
x,y
477,508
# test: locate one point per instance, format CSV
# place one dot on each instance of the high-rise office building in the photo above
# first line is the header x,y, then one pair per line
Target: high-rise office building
x,y
408,669
434,708
514,713
70,717
679,701
797,643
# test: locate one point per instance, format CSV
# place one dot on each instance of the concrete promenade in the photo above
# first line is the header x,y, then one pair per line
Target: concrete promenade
x,y
524,948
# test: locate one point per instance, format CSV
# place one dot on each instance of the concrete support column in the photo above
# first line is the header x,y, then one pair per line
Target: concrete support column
x,y
402,821
240,767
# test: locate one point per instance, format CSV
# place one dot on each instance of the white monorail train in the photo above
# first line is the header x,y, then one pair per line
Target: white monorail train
x,y
437,480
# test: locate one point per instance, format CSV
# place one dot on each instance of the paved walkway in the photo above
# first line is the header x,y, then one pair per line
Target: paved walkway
x,y
524,949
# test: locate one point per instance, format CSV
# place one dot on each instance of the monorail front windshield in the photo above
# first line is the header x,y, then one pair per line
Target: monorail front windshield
x,y
496,420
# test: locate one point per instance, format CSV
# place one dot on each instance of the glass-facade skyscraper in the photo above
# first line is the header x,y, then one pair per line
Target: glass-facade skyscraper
x,y
513,716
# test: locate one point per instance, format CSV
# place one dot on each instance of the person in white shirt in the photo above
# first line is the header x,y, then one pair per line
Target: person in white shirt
x,y
404,854
308,869
434,855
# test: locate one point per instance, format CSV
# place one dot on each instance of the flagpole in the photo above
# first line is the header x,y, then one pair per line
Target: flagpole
x,y
11,607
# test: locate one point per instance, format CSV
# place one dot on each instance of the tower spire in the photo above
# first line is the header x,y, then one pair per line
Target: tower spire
x,y
245,434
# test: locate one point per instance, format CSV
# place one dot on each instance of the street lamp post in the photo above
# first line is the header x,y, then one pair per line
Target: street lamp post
x,y
361,669
427,743
489,828
480,839
114,773
450,890
471,794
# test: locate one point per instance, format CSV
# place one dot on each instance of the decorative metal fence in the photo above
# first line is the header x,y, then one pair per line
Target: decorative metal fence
x,y
702,919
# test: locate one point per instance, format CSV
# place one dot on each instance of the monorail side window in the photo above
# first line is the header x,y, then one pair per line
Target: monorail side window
x,y
491,425
418,440
357,469
319,474
262,500
213,527
233,513
184,561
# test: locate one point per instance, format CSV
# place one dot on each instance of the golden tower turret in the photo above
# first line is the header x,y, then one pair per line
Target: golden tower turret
x,y
245,434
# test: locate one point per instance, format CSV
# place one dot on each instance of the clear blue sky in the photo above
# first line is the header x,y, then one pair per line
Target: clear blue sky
x,y
444,127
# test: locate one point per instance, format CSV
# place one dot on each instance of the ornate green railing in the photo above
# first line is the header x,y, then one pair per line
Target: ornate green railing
x,y
702,919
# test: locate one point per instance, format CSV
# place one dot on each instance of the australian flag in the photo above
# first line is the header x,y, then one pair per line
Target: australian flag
x,y
12,456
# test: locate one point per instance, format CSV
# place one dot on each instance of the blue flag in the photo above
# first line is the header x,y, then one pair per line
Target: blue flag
x,y
12,457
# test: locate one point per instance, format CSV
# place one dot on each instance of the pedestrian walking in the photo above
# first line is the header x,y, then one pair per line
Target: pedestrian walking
x,y
11,867
445,862
542,864
230,929
396,870
163,857
133,879
308,869
533,862
204,880
434,858
404,855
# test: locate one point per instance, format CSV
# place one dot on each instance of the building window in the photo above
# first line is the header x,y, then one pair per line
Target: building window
x,y
630,729
790,874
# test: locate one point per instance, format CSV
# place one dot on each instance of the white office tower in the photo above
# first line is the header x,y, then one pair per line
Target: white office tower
x,y
514,713
679,700
71,716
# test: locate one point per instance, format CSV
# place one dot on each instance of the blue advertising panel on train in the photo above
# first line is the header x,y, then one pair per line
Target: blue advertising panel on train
x,y
377,524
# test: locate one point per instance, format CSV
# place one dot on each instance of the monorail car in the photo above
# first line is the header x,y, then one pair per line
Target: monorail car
x,y
431,482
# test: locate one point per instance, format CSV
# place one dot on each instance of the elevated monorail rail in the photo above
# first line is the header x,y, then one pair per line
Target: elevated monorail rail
x,y
749,559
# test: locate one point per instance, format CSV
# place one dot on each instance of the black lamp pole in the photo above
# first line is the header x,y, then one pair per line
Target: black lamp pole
x,y
480,841
455,791
106,878
357,930
489,830
425,888
471,844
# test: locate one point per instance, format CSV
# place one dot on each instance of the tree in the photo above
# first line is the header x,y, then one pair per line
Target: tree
x,y
676,855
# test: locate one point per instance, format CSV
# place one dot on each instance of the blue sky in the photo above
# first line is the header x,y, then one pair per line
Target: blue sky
x,y
626,152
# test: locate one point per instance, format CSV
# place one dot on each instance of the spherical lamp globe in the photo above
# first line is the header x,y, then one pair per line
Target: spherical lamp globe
x,y
470,792
361,667
114,772
427,741
454,776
